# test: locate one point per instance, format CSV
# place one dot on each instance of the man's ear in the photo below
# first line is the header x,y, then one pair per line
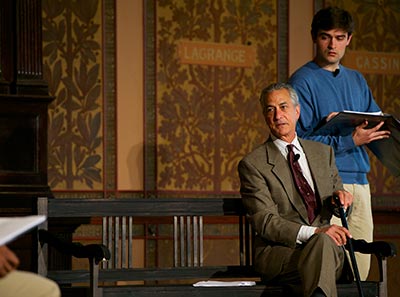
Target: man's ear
x,y
297,110
313,38
349,39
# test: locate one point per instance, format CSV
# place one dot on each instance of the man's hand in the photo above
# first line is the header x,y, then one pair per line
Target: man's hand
x,y
346,198
8,261
339,234
331,115
363,136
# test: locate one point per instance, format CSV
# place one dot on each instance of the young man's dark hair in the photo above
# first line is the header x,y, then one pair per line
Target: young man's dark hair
x,y
332,18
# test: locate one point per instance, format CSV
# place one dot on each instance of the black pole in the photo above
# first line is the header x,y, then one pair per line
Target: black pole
x,y
350,247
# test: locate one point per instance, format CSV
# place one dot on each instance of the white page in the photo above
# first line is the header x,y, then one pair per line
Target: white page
x,y
12,227
365,112
224,284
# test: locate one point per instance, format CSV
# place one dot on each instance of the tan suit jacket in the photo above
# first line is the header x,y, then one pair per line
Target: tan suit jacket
x,y
274,207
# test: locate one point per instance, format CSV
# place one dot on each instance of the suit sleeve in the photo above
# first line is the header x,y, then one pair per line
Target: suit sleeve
x,y
262,209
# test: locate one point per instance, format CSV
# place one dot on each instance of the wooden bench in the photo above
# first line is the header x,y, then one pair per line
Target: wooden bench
x,y
187,217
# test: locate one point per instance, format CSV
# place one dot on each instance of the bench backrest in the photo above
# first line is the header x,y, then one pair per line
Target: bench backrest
x,y
188,236
188,229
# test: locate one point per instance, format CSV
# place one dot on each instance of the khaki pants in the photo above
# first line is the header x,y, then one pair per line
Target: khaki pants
x,y
360,223
26,284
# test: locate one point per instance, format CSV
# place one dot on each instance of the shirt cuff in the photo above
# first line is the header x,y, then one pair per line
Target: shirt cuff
x,y
305,233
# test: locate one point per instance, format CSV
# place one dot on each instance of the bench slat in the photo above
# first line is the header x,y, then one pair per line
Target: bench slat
x,y
64,208
344,290
153,274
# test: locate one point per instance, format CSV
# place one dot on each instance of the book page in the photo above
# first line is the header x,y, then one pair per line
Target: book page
x,y
364,112
12,227
224,284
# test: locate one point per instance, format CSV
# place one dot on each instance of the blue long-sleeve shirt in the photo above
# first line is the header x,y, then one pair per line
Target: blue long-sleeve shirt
x,y
320,93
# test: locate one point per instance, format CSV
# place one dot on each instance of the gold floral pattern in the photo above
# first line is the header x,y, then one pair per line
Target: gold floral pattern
x,y
72,67
209,116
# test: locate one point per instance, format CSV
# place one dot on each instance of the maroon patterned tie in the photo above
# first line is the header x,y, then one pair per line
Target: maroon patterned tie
x,y
302,185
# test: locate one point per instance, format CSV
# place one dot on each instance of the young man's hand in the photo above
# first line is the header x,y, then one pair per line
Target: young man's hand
x,y
8,261
364,136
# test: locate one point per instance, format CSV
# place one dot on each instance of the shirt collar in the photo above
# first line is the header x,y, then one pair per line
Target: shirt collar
x,y
282,145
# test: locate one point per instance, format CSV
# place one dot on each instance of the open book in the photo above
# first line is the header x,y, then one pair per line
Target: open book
x,y
386,150
12,227
345,121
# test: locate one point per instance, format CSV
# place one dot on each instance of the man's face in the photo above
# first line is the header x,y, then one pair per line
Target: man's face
x,y
281,115
331,46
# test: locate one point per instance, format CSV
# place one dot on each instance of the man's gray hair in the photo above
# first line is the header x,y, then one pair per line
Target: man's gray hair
x,y
277,87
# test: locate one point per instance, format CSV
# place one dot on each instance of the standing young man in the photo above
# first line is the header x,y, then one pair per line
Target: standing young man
x,y
326,87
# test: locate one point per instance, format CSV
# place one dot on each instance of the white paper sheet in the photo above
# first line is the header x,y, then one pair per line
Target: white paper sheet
x,y
224,284
12,227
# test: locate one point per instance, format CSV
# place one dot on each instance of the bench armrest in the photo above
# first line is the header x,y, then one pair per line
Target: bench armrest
x,y
382,249
97,252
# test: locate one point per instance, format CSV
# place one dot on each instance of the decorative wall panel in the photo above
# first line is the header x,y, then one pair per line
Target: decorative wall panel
x,y
72,51
212,59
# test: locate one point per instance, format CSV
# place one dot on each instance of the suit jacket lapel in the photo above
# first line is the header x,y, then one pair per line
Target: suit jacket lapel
x,y
281,170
